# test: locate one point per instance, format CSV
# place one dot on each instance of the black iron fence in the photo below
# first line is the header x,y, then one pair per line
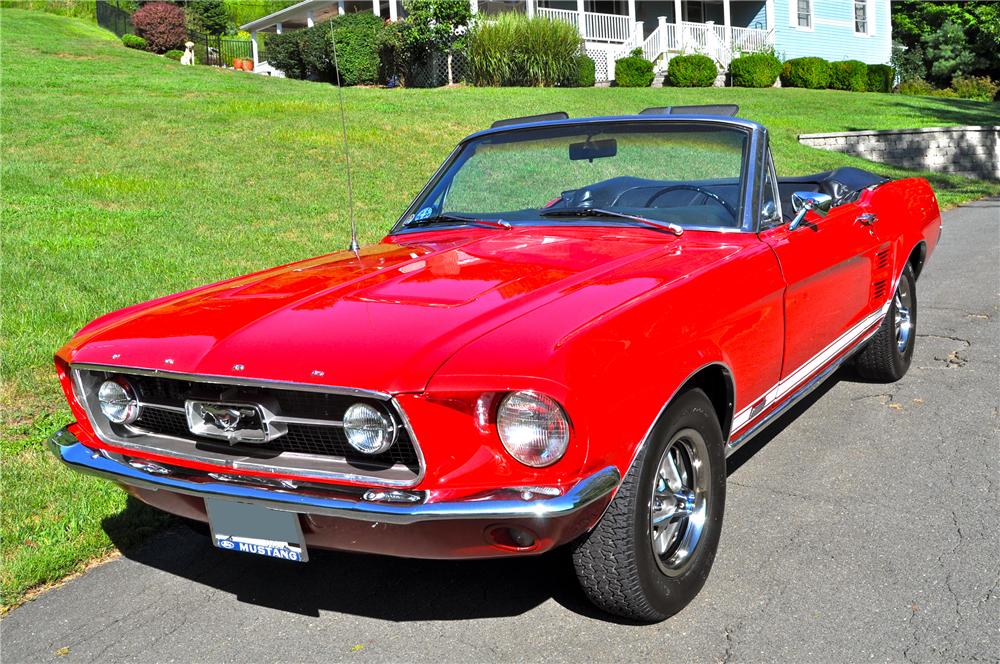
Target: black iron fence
x,y
112,17
219,51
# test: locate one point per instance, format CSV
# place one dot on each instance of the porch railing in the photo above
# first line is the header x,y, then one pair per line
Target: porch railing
x,y
596,27
752,40
606,27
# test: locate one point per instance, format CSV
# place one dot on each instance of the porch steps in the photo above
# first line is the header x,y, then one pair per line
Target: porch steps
x,y
658,79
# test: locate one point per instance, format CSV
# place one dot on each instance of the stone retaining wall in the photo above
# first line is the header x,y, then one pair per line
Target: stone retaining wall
x,y
970,151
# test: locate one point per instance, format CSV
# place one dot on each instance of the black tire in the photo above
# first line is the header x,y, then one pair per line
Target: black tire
x,y
615,562
882,360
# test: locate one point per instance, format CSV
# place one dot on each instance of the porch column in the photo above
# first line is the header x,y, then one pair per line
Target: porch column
x,y
661,25
727,23
393,11
581,22
310,19
375,8
529,8
631,12
253,48
679,31
277,28
474,6
340,7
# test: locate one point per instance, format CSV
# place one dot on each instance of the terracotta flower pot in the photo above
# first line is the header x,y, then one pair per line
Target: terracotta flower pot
x,y
247,65
237,64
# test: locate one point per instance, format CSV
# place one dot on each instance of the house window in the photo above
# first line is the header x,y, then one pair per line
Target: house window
x,y
805,13
861,16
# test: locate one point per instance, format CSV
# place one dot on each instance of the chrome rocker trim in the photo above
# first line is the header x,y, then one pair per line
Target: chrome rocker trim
x,y
81,458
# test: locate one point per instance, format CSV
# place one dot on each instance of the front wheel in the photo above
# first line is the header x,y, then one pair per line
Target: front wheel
x,y
653,549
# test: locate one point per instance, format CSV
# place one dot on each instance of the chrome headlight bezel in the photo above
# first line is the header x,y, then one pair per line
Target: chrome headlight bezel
x,y
533,428
369,430
117,401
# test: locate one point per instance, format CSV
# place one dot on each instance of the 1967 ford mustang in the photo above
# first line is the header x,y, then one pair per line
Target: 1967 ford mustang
x,y
558,343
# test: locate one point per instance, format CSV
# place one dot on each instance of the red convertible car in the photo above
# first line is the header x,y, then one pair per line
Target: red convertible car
x,y
559,343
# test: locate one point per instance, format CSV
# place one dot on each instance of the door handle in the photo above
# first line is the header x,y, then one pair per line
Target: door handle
x,y
867,219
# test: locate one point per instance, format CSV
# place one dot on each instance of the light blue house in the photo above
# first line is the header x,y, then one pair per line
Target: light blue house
x,y
722,29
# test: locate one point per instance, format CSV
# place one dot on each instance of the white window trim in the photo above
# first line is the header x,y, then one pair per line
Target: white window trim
x,y
868,19
793,16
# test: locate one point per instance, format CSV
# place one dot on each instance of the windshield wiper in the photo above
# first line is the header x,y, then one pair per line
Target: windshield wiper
x,y
598,212
444,219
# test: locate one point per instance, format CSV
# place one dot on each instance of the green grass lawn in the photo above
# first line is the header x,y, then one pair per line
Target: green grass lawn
x,y
126,176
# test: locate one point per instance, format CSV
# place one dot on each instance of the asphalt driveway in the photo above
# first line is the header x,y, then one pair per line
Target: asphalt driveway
x,y
864,526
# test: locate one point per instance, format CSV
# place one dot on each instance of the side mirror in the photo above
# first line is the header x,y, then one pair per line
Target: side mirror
x,y
804,201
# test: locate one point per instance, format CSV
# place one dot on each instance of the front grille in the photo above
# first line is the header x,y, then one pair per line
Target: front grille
x,y
314,446
300,439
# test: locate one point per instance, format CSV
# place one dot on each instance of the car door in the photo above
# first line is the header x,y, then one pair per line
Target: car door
x,y
827,266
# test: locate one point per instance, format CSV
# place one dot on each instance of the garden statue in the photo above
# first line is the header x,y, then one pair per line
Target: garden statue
x,y
188,57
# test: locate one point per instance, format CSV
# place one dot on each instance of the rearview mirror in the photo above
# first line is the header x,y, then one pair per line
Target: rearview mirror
x,y
804,201
591,150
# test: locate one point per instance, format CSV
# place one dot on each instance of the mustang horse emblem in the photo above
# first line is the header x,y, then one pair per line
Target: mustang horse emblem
x,y
224,417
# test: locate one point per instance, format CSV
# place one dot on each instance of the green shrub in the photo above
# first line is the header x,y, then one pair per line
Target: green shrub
x,y
915,87
284,52
395,54
811,73
851,75
946,92
881,78
357,37
586,72
756,70
516,50
692,71
981,88
309,53
134,41
174,54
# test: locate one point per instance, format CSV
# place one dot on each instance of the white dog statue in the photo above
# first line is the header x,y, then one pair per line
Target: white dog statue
x,y
188,57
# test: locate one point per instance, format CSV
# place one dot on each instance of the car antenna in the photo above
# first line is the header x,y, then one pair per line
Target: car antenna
x,y
347,154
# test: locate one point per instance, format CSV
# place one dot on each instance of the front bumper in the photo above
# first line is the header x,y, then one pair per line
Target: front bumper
x,y
454,529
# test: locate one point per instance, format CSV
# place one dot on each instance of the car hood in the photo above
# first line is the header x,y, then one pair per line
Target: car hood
x,y
383,320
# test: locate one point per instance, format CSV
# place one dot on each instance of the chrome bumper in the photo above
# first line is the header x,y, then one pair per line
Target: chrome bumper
x,y
84,459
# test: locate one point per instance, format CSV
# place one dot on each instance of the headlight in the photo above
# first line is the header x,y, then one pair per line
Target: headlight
x,y
118,402
367,430
533,428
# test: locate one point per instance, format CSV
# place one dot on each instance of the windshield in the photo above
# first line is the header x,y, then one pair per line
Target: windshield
x,y
687,174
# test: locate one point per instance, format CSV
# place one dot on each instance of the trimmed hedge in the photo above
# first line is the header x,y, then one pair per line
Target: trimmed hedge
x,y
134,41
881,78
586,72
634,71
851,75
309,53
692,71
174,54
756,70
813,73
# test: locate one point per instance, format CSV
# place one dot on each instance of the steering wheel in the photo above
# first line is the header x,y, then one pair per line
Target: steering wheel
x,y
690,187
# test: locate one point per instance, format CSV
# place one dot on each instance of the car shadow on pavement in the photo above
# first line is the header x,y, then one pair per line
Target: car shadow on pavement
x,y
382,587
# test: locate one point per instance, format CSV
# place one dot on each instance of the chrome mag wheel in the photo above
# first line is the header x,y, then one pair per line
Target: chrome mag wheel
x,y
903,302
679,502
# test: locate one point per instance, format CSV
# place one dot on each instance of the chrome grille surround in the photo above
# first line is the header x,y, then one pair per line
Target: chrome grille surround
x,y
403,467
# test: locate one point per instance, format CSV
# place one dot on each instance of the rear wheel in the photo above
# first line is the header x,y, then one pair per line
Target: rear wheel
x,y
887,356
653,549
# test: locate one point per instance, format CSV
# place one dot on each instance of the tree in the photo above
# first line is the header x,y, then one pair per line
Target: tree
x,y
938,41
209,16
440,25
162,25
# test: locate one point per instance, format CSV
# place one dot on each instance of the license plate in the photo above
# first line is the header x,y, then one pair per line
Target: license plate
x,y
254,529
